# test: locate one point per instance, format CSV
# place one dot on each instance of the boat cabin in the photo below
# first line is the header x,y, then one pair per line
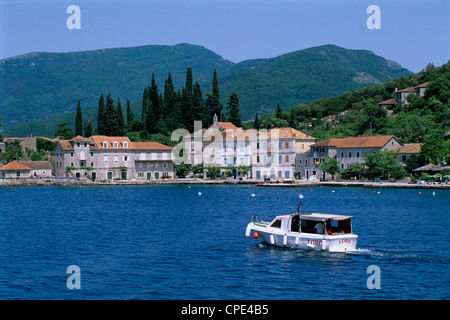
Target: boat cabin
x,y
305,223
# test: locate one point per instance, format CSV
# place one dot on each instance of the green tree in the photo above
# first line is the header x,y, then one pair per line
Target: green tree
x,y
330,166
234,115
355,169
434,148
213,172
64,131
79,120
199,109
130,115
88,129
120,130
256,124
279,112
110,123
213,100
101,115
36,156
384,165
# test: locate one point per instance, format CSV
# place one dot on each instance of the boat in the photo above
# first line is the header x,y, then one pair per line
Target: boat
x,y
259,184
312,231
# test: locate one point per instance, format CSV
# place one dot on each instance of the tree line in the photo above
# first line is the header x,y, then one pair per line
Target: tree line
x,y
162,111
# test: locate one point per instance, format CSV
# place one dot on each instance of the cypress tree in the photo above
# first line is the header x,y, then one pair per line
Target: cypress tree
x,y
79,121
120,130
130,115
187,101
199,109
256,124
279,113
101,115
212,100
233,110
110,123
88,128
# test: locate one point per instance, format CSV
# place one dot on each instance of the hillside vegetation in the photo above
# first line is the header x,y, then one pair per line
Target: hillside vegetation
x,y
39,90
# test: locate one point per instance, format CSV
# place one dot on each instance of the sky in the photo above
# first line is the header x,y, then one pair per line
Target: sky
x,y
412,32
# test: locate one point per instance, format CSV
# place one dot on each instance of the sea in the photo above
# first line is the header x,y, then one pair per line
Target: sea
x,y
187,242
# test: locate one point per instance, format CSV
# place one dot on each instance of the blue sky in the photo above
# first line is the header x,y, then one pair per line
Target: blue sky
x,y
413,32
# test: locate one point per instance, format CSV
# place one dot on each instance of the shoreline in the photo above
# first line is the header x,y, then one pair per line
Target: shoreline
x,y
84,182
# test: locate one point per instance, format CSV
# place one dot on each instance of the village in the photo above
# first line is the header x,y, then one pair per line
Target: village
x,y
273,157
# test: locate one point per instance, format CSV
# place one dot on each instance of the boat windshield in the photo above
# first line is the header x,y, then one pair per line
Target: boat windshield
x,y
332,225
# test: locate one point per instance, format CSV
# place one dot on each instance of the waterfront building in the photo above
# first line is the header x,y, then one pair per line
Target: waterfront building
x,y
276,150
345,150
112,158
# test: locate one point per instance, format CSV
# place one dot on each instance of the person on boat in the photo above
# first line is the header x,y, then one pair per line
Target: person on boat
x,y
320,228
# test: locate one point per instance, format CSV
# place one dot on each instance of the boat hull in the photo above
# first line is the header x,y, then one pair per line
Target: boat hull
x,y
306,241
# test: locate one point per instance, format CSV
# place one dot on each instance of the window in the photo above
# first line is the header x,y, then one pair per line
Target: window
x,y
85,145
71,164
78,144
92,154
306,162
165,165
279,145
71,154
286,158
342,154
280,159
18,174
342,166
125,158
286,174
105,144
276,224
286,144
125,144
349,154
92,164
303,146
115,144
357,154
116,159
105,158
299,162
257,159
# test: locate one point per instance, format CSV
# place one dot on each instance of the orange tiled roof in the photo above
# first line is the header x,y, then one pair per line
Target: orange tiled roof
x,y
285,133
410,148
80,139
227,125
150,146
120,146
37,164
66,145
407,89
356,142
328,143
423,85
390,101
14,166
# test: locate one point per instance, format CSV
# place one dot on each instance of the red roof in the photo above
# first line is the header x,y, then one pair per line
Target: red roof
x,y
356,142
14,166
150,146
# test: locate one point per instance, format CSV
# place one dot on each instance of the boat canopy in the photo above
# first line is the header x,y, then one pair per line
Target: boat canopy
x,y
323,217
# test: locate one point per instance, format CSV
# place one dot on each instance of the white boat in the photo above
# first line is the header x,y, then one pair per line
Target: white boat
x,y
316,231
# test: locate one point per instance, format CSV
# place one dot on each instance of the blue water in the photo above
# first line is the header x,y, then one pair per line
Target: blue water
x,y
167,242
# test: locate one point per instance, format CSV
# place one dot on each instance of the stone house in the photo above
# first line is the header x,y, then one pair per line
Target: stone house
x,y
404,152
276,151
15,170
39,169
112,158
345,150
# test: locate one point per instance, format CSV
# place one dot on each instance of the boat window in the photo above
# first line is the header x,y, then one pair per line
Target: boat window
x,y
295,224
276,224
307,226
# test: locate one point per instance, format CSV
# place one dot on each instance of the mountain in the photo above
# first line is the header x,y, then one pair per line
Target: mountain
x,y
45,87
